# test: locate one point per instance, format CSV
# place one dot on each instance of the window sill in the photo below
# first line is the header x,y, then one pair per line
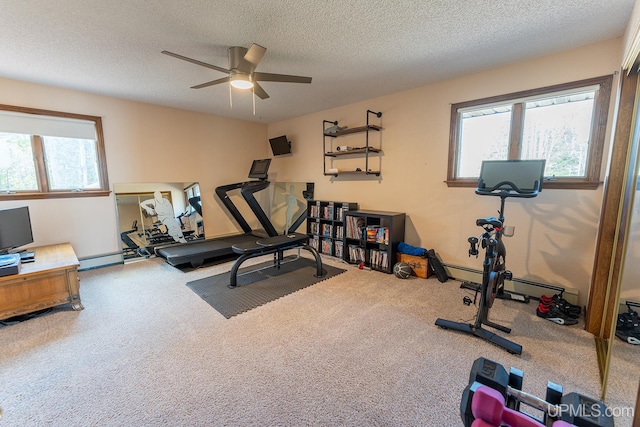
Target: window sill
x,y
546,185
56,195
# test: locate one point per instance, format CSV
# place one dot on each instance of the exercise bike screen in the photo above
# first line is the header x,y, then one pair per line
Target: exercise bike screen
x,y
527,175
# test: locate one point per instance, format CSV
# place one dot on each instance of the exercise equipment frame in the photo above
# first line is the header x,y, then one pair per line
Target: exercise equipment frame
x,y
494,271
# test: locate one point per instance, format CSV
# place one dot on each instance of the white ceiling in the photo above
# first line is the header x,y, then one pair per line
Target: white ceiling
x,y
353,49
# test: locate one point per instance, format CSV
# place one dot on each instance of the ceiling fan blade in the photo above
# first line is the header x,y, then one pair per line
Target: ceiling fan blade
x,y
254,55
257,89
195,61
236,57
268,77
211,83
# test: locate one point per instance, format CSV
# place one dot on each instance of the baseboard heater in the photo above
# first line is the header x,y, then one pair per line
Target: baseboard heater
x,y
99,261
519,286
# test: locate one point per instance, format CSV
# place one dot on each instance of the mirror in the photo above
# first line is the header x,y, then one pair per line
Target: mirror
x,y
621,336
289,205
152,214
622,376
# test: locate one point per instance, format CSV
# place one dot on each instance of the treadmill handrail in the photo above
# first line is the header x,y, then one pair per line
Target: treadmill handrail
x,y
247,189
247,192
222,191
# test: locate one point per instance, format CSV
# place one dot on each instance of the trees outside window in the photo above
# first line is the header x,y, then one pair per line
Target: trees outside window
x,y
45,154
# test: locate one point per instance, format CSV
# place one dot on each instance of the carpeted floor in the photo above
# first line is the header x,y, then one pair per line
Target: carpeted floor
x,y
259,284
358,349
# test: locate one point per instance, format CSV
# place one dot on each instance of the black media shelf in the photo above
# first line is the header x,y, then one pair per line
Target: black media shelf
x,y
372,238
325,226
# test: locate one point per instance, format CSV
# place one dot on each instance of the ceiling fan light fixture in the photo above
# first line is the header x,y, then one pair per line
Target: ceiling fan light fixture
x,y
241,73
241,81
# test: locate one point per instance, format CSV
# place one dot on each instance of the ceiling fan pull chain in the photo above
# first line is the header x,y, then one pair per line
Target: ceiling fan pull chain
x,y
253,97
230,99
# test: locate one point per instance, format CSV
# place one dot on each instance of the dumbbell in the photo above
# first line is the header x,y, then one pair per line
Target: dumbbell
x,y
494,375
573,408
473,246
583,411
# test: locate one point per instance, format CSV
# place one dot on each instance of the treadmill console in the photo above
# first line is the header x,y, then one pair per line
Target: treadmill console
x,y
260,169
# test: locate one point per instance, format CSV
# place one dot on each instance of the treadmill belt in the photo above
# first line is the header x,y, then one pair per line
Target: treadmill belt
x,y
197,252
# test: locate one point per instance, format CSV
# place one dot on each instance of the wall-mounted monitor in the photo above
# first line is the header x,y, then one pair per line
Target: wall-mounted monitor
x,y
260,169
15,228
280,145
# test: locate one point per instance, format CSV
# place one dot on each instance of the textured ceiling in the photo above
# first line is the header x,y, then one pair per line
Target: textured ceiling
x,y
353,50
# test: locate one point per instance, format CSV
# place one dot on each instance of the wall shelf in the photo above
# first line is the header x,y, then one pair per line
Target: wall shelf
x,y
354,151
353,130
356,172
329,137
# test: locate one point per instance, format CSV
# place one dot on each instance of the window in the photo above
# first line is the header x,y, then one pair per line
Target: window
x,y
46,154
564,124
192,198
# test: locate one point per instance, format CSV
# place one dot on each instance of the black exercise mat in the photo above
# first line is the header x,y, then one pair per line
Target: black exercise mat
x,y
259,287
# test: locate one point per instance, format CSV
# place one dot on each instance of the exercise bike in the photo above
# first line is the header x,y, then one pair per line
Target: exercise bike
x,y
504,179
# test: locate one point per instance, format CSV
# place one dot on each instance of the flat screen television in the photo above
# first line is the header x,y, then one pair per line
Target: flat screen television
x,y
527,175
280,145
15,228
260,169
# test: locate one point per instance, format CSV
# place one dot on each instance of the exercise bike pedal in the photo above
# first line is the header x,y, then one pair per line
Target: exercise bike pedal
x,y
470,286
508,275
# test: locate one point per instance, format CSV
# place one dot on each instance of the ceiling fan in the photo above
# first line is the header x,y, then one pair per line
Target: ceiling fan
x,y
241,72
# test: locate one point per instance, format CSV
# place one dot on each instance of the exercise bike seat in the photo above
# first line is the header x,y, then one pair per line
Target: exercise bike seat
x,y
493,221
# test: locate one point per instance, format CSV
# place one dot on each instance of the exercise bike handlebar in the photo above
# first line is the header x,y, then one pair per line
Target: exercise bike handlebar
x,y
508,189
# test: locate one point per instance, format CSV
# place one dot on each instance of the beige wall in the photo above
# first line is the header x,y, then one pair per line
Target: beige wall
x,y
144,143
632,37
555,232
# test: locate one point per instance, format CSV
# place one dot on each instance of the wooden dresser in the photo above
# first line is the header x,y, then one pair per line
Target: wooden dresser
x,y
52,279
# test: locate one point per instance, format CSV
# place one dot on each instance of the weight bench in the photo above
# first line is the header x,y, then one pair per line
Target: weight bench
x,y
275,245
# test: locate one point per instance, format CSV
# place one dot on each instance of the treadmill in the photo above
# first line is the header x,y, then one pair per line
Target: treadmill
x,y
195,253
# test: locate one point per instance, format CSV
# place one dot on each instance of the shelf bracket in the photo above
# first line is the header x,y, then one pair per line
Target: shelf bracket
x,y
378,114
366,160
